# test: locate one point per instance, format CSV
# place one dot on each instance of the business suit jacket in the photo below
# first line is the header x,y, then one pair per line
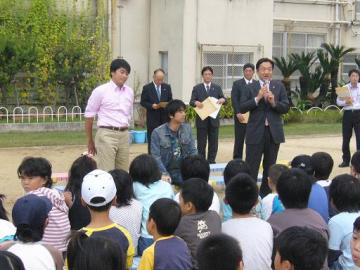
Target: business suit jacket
x,y
199,93
155,118
237,91
263,110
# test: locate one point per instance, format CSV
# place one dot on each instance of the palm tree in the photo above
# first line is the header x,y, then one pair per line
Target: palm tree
x,y
287,68
326,66
357,61
336,53
304,62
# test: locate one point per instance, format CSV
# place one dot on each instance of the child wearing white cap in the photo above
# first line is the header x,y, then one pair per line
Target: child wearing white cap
x,y
98,192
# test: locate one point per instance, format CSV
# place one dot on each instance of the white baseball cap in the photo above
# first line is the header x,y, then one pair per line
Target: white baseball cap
x,y
98,183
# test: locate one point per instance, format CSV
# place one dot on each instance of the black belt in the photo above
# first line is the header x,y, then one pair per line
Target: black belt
x,y
354,111
115,128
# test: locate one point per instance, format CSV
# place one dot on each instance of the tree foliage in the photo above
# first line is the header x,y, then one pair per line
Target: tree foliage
x,y
62,54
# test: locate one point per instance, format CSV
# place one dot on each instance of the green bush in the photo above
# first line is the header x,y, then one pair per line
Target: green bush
x,y
314,116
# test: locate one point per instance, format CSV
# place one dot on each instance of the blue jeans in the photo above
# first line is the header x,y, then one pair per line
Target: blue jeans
x,y
143,244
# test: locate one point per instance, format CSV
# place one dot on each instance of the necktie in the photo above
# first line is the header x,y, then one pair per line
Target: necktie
x,y
158,92
207,88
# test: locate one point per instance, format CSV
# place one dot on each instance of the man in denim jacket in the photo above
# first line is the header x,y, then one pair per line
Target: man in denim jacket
x,y
172,142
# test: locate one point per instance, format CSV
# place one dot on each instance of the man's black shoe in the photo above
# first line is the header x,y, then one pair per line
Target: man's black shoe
x,y
344,164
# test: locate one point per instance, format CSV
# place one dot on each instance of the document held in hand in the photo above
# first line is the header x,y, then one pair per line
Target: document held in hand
x,y
209,107
343,92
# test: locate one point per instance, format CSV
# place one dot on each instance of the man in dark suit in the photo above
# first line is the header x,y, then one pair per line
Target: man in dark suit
x,y
208,128
239,124
266,100
152,94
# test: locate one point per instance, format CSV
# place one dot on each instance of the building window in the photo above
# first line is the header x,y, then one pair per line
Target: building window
x,y
357,9
348,64
164,63
284,44
227,66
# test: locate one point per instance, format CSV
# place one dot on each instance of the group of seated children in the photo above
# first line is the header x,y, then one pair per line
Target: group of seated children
x,y
104,219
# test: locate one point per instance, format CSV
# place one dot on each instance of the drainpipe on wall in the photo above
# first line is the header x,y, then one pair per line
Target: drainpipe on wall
x,y
337,25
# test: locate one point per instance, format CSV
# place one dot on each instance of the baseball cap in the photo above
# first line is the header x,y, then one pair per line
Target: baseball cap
x,y
303,162
98,184
31,210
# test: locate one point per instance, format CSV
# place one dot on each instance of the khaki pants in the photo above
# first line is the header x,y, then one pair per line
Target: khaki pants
x,y
112,149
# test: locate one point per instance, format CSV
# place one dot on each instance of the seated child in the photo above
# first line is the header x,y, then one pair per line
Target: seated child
x,y
30,216
197,222
98,192
318,199
214,253
35,175
355,243
168,251
345,196
355,165
148,187
94,253
79,215
300,248
127,211
10,261
198,167
322,164
271,202
254,235
234,167
7,229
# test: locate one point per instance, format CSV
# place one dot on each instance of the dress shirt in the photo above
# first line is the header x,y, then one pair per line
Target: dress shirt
x,y
248,81
355,94
209,85
156,87
112,105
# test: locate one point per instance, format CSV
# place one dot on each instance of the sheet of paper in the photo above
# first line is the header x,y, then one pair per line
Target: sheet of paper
x,y
207,109
343,92
246,116
163,104
218,107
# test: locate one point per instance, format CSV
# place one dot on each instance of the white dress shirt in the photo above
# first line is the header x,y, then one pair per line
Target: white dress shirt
x,y
355,95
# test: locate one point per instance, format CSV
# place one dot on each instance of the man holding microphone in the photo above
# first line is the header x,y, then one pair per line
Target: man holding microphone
x,y
266,100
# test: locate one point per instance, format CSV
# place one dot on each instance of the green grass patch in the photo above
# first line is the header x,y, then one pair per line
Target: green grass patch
x,y
47,138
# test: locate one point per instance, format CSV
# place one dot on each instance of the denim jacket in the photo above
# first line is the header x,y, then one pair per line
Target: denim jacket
x,y
161,147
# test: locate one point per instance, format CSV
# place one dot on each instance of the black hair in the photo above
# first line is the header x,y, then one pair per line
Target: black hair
x,y
219,251
207,68
36,166
357,225
354,70
94,253
275,171
241,193
119,63
3,212
264,60
322,164
294,187
27,234
234,167
159,69
195,166
166,214
102,208
144,169
303,162
249,65
174,106
9,261
344,193
304,248
124,187
80,167
355,161
198,192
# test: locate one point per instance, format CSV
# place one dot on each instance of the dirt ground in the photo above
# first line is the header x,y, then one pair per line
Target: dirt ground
x,y
62,157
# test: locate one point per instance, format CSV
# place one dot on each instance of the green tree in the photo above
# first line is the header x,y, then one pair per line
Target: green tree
x,y
337,53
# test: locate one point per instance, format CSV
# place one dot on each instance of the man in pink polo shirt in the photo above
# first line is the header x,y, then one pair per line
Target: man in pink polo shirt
x,y
112,102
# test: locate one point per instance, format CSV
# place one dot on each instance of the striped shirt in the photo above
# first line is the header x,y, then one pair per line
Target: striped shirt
x,y
58,228
129,216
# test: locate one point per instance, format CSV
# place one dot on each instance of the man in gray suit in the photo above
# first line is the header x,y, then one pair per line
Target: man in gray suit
x,y
209,127
239,124
266,100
